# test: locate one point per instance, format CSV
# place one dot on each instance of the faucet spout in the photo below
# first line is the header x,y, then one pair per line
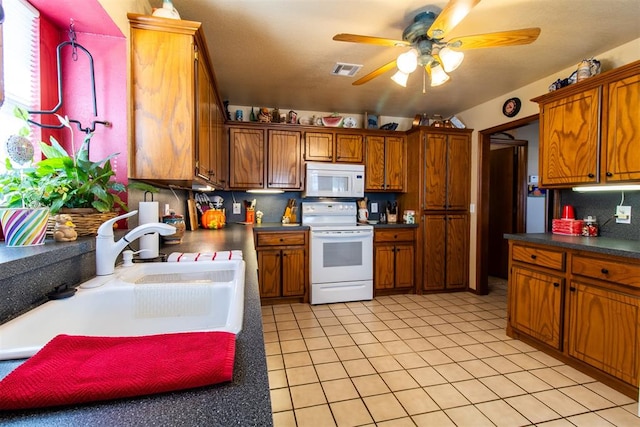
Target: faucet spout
x,y
107,249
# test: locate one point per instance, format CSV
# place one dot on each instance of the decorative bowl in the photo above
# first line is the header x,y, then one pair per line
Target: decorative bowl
x,y
332,121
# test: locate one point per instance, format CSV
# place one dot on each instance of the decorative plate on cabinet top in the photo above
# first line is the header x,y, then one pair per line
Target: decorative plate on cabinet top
x,y
349,122
305,121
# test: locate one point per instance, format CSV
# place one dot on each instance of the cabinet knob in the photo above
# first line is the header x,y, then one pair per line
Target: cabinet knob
x,y
604,271
609,174
572,289
533,256
281,239
556,284
591,175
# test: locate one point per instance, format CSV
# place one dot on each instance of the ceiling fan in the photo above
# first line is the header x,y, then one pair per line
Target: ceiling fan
x,y
428,49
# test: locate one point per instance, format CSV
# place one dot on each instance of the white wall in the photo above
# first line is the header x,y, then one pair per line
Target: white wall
x,y
489,114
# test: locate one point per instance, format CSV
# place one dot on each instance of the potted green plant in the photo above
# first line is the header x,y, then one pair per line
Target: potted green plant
x,y
69,183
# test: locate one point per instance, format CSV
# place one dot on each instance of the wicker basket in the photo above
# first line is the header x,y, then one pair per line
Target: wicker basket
x,y
86,220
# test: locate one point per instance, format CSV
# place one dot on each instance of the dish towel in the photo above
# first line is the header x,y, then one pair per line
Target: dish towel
x,y
77,369
204,256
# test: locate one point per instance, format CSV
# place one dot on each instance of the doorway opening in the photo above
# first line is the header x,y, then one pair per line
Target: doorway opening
x,y
517,207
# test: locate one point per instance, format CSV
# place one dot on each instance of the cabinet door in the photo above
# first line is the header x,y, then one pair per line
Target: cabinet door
x,y
435,185
163,138
318,146
374,167
204,155
246,148
458,172
284,160
294,272
569,132
603,330
394,165
457,260
623,131
220,150
349,148
535,304
404,265
434,252
384,267
269,272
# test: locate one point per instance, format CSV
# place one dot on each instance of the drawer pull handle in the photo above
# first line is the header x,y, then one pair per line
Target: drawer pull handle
x,y
609,174
591,175
604,271
534,256
281,239
556,284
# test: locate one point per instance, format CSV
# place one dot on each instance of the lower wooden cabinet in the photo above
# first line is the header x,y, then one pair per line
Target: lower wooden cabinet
x,y
446,252
283,265
394,260
584,308
535,304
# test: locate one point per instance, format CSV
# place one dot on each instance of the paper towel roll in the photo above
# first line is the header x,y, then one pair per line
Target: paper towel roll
x,y
149,243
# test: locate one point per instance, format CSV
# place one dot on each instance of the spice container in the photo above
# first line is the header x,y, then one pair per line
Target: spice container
x,y
590,227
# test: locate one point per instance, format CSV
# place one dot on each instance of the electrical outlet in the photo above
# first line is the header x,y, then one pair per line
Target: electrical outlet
x,y
623,214
374,207
236,208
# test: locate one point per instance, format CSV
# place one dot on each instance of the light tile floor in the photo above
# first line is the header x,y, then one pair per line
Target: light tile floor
x,y
423,360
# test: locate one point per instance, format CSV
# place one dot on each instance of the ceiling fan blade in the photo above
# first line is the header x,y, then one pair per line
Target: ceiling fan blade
x,y
355,38
451,15
503,38
375,73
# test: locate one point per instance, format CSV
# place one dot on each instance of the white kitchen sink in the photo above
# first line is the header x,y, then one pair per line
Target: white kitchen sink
x,y
145,299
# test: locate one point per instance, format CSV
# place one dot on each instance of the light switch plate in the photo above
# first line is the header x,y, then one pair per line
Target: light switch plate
x,y
236,208
623,214
374,207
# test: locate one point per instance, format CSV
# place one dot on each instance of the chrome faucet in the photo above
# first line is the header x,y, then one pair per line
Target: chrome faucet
x,y
107,250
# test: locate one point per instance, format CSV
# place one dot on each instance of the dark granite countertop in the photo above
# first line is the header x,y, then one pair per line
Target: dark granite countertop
x,y
243,402
602,245
277,226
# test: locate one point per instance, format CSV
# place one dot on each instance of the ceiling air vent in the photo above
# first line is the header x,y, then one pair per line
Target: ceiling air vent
x,y
348,70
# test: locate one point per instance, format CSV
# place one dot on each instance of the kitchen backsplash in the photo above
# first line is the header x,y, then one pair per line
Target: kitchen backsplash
x,y
603,207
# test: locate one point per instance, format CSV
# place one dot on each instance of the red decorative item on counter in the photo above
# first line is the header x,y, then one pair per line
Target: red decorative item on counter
x,y
568,227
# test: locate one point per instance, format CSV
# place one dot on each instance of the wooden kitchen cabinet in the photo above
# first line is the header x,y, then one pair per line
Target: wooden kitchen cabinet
x,y
173,92
284,160
282,266
445,261
328,146
385,168
604,315
447,171
394,260
265,158
590,130
583,308
246,158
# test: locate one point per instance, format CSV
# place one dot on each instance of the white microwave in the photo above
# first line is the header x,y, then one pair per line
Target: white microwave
x,y
334,180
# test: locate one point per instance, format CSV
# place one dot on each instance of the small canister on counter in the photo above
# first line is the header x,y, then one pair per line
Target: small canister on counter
x,y
590,227
409,217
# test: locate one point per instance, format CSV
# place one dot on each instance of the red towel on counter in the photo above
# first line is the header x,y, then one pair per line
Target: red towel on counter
x,y
77,369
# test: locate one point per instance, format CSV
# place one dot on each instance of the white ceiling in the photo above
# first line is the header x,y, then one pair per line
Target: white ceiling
x,y
279,53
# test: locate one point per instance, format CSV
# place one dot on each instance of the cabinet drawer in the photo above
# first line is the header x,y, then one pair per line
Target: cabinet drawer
x,y
280,239
611,271
395,235
540,257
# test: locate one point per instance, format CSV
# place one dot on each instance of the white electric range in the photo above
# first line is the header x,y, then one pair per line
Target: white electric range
x,y
341,253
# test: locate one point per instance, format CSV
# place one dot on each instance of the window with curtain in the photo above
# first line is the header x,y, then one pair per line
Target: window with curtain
x,y
21,42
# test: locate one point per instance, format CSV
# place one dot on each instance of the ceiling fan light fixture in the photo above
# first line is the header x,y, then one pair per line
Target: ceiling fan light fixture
x,y
438,76
400,78
408,62
451,59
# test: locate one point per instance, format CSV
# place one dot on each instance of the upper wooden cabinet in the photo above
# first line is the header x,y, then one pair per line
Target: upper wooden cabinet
x,y
333,146
447,181
174,124
251,148
590,131
385,163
